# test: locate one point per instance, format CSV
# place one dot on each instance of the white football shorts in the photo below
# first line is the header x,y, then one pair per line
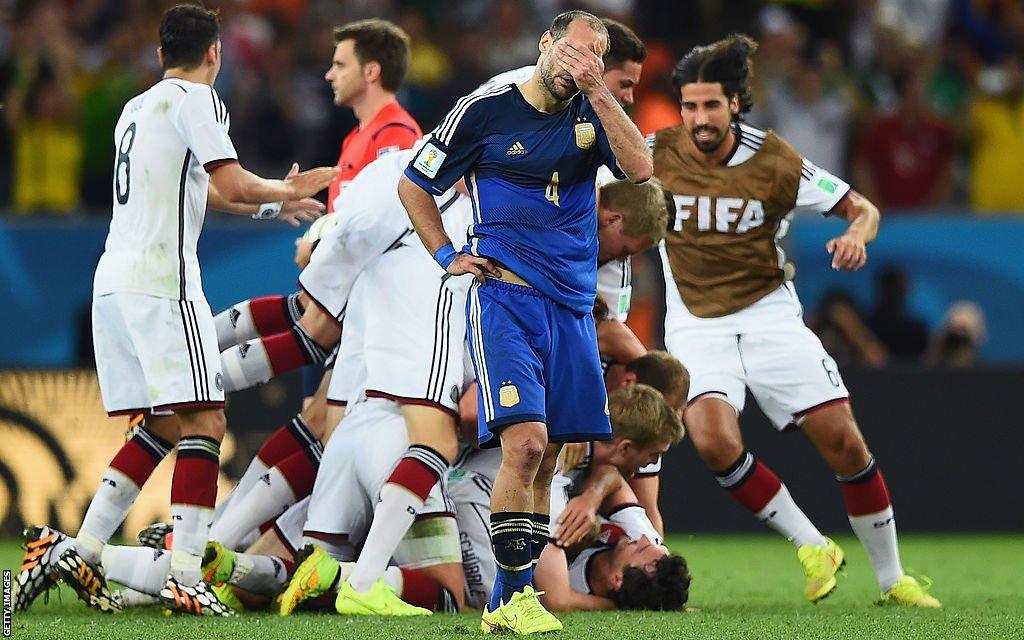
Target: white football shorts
x,y
412,321
155,354
765,347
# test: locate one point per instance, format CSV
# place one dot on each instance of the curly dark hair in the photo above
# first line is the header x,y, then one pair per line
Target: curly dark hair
x,y
726,62
667,588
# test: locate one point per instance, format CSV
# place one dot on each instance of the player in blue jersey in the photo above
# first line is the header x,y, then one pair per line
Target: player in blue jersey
x,y
530,154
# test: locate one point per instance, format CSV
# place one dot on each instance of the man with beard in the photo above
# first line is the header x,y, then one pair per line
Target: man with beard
x,y
734,318
530,153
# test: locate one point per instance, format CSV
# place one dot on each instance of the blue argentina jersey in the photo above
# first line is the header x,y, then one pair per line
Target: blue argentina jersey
x,y
531,176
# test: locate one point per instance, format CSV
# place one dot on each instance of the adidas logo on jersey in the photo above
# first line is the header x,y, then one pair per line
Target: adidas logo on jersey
x,y
517,149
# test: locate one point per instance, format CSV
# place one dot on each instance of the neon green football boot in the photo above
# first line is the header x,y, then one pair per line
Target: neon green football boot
x,y
908,592
315,574
820,566
523,614
218,563
380,600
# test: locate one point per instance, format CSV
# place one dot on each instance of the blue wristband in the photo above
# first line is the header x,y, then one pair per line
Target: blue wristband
x,y
445,256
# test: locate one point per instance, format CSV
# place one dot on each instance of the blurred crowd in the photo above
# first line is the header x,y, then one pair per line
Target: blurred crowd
x,y
890,334
917,102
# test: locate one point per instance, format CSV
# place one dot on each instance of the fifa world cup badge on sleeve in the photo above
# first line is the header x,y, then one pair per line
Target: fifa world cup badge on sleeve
x,y
429,160
508,395
586,135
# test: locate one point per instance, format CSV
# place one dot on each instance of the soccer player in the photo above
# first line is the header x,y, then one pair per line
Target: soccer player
x,y
264,337
734,318
153,331
530,153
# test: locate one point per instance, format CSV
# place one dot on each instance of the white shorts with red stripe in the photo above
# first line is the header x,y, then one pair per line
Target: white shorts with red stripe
x,y
155,354
405,331
765,347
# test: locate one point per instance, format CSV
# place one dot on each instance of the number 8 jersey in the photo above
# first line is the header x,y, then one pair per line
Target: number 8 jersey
x,y
165,143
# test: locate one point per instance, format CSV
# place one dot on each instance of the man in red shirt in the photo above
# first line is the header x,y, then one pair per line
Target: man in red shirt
x,y
905,160
369,63
274,334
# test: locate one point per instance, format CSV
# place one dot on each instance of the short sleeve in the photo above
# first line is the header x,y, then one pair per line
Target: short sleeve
x,y
608,156
452,149
203,122
819,190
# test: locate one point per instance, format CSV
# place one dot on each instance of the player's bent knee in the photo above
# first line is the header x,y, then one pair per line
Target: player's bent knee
x,y
433,427
523,446
315,415
206,422
323,329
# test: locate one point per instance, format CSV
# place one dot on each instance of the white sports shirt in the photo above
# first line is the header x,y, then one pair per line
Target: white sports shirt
x,y
165,141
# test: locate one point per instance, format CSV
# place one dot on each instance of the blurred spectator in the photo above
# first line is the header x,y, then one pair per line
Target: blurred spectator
x,y
429,67
904,336
958,341
656,105
997,138
115,78
812,108
41,111
511,42
991,29
906,160
844,334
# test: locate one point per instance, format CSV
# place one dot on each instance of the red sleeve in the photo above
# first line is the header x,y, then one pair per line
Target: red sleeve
x,y
394,136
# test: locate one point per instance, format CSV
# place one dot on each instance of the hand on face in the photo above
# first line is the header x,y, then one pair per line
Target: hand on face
x,y
581,63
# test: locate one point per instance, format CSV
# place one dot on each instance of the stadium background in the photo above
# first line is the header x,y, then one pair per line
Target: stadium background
x,y
917,102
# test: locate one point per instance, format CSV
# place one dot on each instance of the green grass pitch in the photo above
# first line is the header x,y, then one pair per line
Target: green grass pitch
x,y
745,587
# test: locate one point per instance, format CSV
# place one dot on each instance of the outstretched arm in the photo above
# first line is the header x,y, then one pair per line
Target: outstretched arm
x,y
291,211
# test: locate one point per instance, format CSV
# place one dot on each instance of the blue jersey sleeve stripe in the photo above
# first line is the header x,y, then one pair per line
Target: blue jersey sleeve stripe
x,y
447,130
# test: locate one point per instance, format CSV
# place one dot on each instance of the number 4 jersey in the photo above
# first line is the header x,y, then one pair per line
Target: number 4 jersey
x,y
165,142
723,245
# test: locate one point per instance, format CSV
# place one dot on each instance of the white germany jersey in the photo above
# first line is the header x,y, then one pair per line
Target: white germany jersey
x,y
165,141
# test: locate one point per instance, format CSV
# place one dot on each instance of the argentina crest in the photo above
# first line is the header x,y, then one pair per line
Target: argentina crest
x,y
586,135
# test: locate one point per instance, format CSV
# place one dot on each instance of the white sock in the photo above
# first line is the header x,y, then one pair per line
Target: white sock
x,y
392,518
245,365
252,474
392,576
235,325
140,568
191,533
106,512
782,515
269,497
342,550
877,532
265,575
133,598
